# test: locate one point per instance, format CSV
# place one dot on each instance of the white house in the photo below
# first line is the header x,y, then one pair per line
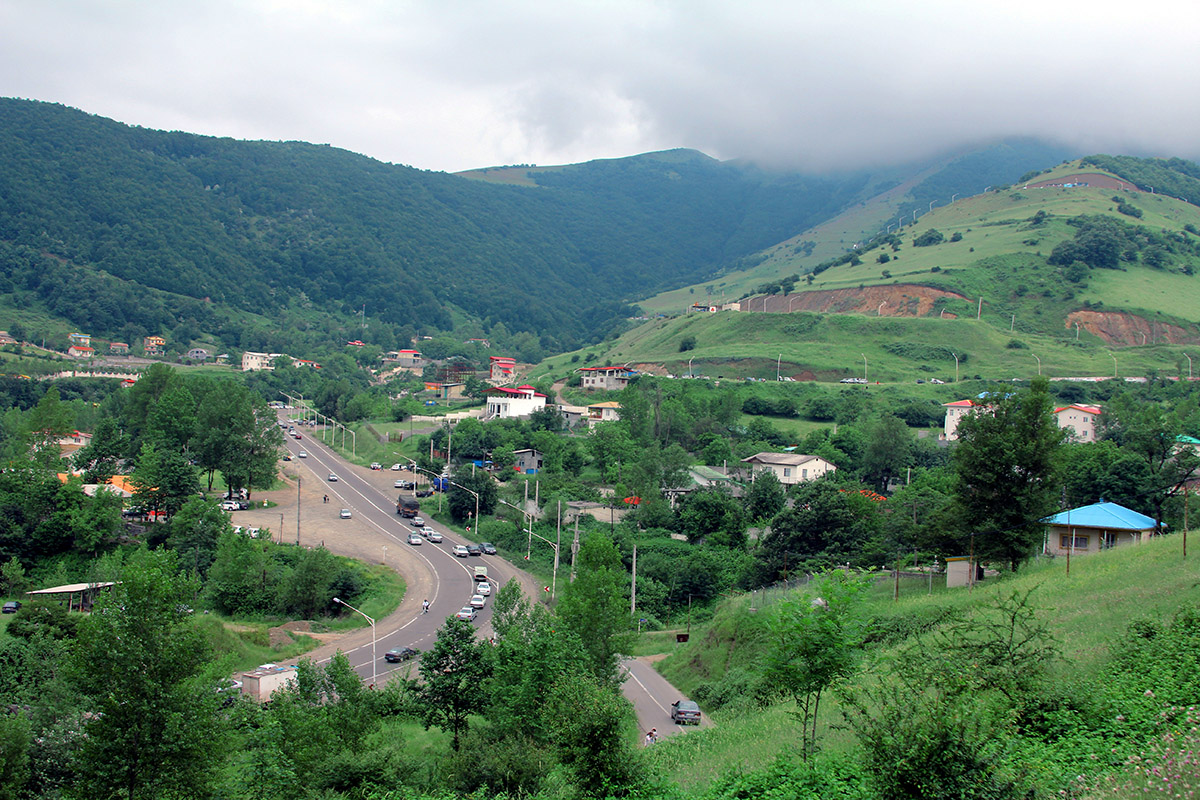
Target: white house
x,y
789,468
503,402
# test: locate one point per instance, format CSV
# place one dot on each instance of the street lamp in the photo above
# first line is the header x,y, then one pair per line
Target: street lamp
x,y
342,602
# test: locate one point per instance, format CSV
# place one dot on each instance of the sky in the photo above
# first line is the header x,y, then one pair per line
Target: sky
x,y
450,85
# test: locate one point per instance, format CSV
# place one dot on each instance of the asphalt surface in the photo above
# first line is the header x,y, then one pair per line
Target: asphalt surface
x,y
375,532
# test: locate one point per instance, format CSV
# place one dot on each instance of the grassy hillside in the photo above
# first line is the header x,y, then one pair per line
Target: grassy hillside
x,y
1087,612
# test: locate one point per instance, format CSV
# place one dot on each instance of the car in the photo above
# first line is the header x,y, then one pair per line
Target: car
x,y
466,613
396,467
12,607
302,454
487,548
483,588
345,513
400,654
417,522
332,478
461,551
415,538
434,536
375,465
425,531
477,601
685,712
473,550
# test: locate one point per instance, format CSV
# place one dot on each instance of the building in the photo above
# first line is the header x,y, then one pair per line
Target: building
x,y
603,412
528,461
504,403
252,362
789,468
118,348
153,345
1090,529
80,351
81,339
609,378
197,354
501,369
1079,420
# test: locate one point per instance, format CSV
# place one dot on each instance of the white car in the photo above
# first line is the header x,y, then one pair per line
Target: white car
x,y
484,588
477,601
460,550
415,538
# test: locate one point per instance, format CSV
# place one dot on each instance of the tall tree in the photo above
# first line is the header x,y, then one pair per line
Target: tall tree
x,y
154,731
1006,473
596,606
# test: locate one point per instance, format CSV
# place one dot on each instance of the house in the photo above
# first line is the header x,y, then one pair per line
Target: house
x,y
252,362
603,412
81,339
80,351
789,468
197,354
528,461
504,403
501,369
610,378
153,345
1080,420
118,348
1090,529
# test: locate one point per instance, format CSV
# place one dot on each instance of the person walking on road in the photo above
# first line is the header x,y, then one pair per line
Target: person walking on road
x,y
425,607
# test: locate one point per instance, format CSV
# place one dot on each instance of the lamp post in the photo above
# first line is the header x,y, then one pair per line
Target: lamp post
x,y
342,602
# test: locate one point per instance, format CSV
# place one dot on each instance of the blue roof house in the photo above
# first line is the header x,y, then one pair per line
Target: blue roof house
x,y
1090,529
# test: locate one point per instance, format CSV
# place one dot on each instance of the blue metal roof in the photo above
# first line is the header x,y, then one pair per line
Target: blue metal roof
x,y
1108,516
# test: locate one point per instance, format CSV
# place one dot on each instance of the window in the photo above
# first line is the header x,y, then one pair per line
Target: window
x,y
1064,542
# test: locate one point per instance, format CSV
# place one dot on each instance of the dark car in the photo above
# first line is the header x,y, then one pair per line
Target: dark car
x,y
488,548
12,607
402,654
473,550
685,712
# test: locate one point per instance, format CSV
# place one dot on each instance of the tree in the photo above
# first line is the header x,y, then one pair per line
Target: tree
x,y
765,497
814,638
887,451
1006,475
453,670
153,732
595,606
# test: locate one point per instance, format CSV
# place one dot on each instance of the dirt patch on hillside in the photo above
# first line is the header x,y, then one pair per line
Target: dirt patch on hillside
x,y
895,300
1118,328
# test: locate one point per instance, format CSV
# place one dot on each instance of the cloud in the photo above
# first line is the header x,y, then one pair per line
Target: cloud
x,y
814,85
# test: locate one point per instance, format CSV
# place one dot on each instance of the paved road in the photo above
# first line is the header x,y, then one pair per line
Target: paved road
x,y
430,571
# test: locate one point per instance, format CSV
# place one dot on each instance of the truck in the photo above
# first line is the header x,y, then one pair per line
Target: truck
x,y
480,574
407,506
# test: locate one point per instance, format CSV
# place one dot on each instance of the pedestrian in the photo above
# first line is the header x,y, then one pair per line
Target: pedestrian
x,y
425,607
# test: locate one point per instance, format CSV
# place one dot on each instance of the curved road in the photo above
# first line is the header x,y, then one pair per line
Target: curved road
x,y
431,571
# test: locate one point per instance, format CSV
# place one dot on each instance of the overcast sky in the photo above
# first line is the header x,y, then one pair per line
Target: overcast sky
x,y
455,84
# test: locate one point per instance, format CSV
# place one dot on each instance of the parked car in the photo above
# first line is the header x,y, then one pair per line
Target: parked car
x,y
12,607
376,465
467,614
477,601
460,551
345,513
332,478
484,588
685,712
400,654
302,454
473,550
434,536
488,548
415,538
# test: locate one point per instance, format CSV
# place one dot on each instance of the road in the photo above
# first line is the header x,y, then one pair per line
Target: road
x,y
431,571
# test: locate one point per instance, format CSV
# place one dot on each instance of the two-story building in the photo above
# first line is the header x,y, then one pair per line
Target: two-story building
x,y
610,378
789,468
504,403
